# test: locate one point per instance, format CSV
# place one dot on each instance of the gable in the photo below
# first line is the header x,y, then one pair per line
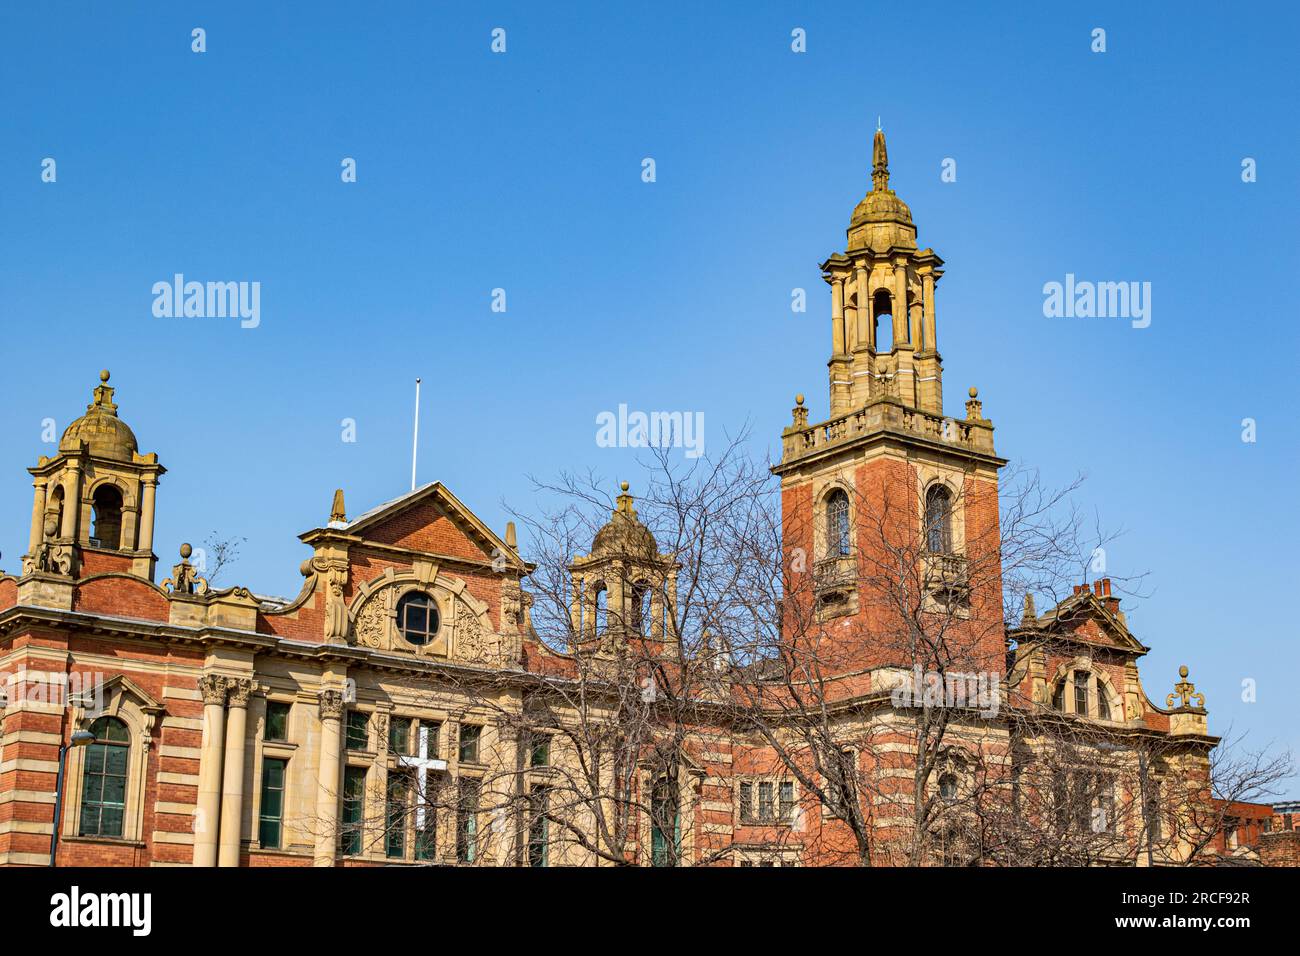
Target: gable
x,y
431,520
428,528
1085,619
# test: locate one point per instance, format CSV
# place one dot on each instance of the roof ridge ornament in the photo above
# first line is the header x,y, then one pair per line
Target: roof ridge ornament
x,y
103,395
338,513
1185,690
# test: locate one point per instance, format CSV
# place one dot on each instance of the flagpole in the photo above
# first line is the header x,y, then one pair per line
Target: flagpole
x,y
415,439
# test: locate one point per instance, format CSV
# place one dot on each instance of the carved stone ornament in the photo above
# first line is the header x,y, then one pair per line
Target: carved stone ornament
x,y
213,688
240,690
331,704
371,625
1185,693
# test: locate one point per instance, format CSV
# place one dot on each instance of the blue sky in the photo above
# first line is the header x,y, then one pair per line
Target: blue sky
x,y
522,171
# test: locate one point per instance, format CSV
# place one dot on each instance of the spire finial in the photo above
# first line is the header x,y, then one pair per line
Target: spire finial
x,y
338,513
879,128
1185,693
1029,617
625,500
103,395
879,162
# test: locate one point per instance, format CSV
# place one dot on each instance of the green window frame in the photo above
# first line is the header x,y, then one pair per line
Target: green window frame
x,y
471,735
277,720
399,736
665,825
539,827
270,815
358,730
467,811
354,808
103,779
398,810
539,751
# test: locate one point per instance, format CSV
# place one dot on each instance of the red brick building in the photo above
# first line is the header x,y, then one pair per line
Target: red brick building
x,y
402,708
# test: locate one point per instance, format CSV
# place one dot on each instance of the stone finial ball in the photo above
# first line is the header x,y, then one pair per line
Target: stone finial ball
x,y
1182,672
186,550
103,375
798,399
624,486
974,391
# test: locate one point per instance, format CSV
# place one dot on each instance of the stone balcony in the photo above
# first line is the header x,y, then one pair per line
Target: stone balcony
x,y
885,416
946,572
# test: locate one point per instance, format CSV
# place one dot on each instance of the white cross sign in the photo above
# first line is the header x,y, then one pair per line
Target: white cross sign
x,y
422,763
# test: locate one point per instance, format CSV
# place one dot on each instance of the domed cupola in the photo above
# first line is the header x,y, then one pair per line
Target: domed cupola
x,y
93,507
625,588
105,435
624,534
881,221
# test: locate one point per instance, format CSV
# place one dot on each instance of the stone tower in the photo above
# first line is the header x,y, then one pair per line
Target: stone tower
x,y
887,474
93,509
625,588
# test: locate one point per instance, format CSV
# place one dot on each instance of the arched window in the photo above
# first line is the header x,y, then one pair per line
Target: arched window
x,y
1103,702
107,505
1058,696
602,608
938,520
837,524
418,619
882,318
641,608
54,514
948,787
103,779
1081,693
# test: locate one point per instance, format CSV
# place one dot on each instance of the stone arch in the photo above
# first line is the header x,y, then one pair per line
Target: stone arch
x,y
123,699
466,632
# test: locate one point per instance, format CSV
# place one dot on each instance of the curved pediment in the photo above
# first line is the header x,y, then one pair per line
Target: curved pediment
x,y
453,624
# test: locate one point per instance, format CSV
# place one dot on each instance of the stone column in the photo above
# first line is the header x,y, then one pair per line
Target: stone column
x,y
327,796
213,689
71,500
862,335
146,513
232,786
38,517
927,296
902,323
838,342
575,607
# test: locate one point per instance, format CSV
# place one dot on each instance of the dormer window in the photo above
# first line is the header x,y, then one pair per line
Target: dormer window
x,y
938,520
837,524
107,505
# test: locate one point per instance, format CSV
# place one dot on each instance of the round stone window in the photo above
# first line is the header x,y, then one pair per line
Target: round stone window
x,y
417,618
